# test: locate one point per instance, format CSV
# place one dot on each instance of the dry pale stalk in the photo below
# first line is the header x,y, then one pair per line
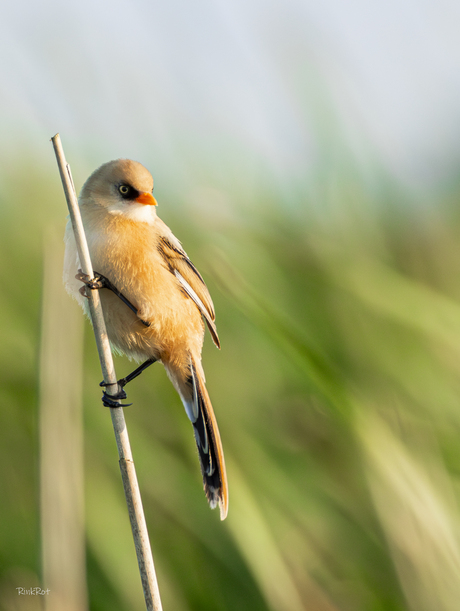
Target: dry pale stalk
x,y
128,472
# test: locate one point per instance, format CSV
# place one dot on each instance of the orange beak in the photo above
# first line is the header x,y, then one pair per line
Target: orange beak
x,y
147,199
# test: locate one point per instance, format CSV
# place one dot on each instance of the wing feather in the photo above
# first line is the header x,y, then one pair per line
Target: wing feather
x,y
190,280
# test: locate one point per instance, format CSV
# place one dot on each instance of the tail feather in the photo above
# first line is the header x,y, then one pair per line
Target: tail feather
x,y
208,442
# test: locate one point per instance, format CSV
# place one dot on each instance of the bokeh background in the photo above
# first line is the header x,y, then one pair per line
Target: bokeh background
x,y
307,154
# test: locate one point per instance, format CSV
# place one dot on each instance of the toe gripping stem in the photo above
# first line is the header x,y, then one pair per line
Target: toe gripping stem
x,y
114,400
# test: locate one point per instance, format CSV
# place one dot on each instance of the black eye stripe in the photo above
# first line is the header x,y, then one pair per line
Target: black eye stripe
x,y
128,192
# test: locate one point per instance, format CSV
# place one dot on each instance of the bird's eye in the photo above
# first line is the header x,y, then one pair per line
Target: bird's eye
x,y
128,192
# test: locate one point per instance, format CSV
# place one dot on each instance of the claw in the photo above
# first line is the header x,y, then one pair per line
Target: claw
x,y
120,394
94,283
113,400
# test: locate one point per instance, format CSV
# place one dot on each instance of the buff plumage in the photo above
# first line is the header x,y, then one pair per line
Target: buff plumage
x,y
138,253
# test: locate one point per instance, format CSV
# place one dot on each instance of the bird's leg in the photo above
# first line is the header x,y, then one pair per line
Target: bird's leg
x,y
123,381
101,282
107,400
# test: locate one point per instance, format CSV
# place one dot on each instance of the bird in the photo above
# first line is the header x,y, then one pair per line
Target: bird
x,y
155,302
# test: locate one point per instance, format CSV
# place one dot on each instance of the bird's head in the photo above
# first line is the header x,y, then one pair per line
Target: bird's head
x,y
123,187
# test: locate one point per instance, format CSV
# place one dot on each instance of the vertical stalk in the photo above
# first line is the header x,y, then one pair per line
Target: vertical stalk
x,y
128,472
61,440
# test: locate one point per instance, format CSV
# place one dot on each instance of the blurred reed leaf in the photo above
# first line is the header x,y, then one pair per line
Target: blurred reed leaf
x,y
61,440
289,337
418,515
390,293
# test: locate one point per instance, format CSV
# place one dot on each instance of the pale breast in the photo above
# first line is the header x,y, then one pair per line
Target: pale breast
x,y
127,254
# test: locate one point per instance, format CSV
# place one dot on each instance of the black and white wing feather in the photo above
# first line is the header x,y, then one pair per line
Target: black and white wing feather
x,y
190,280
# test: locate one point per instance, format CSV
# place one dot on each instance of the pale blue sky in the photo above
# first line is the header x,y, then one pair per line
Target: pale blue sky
x,y
236,85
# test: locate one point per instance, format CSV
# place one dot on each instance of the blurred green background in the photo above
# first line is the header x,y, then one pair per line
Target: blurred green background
x,y
307,157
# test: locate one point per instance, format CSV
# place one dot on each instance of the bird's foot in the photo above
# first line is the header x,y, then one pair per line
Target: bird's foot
x,y
114,400
96,283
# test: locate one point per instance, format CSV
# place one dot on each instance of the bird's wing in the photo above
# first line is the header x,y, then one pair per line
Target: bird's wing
x,y
190,280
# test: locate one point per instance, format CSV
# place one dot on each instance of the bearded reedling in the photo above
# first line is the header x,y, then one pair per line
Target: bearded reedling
x,y
156,299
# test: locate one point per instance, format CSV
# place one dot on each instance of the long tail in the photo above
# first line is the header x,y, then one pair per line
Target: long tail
x,y
199,410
